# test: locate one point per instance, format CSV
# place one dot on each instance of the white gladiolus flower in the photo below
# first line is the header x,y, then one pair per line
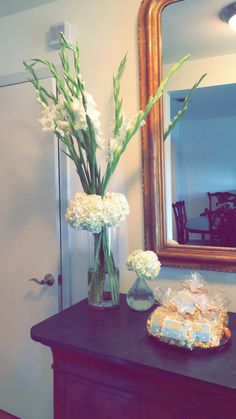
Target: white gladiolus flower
x,y
78,110
126,124
92,111
48,118
101,141
54,116
116,142
113,145
144,263
94,116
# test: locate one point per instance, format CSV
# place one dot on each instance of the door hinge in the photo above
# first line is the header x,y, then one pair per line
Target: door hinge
x,y
60,279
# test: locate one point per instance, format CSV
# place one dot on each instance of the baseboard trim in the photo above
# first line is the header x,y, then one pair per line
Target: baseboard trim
x,y
6,415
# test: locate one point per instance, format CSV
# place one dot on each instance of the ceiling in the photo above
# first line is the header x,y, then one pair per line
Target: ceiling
x,y
194,27
206,102
10,7
188,26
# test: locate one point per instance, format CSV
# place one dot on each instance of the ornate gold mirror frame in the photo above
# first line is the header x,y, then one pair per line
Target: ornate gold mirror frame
x,y
150,61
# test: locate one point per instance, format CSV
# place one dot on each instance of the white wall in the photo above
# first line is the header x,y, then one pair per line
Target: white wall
x,y
105,30
204,146
220,70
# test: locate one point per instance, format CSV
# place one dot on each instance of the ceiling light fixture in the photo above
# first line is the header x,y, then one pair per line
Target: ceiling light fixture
x,y
228,14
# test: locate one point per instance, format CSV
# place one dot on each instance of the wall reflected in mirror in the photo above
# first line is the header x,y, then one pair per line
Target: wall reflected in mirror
x,y
200,152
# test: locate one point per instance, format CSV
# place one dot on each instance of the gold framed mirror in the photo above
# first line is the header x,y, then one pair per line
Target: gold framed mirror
x,y
153,158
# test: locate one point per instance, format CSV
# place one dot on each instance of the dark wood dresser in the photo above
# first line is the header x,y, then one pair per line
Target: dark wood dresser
x,y
107,367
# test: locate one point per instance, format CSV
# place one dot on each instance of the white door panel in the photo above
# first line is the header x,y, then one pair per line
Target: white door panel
x,y
28,248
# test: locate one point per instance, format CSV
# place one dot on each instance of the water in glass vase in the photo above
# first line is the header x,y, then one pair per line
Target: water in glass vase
x,y
103,293
140,297
103,273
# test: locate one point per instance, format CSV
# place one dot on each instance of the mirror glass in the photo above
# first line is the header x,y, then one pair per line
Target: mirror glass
x,y
198,157
199,153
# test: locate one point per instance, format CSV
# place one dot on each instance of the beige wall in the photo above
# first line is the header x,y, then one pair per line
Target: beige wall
x,y
219,69
105,30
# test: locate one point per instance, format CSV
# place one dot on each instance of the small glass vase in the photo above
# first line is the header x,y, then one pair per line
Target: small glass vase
x,y
103,272
140,297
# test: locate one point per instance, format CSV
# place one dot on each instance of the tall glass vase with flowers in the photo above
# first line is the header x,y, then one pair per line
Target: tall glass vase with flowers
x,y
100,216
73,116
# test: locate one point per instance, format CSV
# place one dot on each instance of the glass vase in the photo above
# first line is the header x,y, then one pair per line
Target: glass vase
x,y
103,272
140,297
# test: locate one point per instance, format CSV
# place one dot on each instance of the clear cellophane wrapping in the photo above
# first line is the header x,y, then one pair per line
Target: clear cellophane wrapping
x,y
190,316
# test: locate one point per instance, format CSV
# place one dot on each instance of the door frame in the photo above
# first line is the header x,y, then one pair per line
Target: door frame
x,y
63,282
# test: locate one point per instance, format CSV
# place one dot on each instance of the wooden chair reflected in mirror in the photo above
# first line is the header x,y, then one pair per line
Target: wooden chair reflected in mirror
x,y
180,221
221,199
222,223
183,228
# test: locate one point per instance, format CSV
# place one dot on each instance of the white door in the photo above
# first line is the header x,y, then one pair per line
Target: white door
x,y
29,247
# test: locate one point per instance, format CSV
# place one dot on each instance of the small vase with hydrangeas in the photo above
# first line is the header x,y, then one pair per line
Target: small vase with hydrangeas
x,y
147,266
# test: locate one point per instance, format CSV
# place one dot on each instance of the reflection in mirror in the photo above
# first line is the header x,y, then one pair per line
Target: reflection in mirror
x,y
198,157
202,162
198,153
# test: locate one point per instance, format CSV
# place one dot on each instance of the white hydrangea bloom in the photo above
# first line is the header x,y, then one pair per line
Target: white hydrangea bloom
x,y
116,208
144,263
92,212
85,212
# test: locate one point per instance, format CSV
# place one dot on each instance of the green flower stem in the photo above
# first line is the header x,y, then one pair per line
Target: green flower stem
x,y
76,57
111,166
110,266
103,265
117,99
97,272
83,163
97,249
77,161
184,108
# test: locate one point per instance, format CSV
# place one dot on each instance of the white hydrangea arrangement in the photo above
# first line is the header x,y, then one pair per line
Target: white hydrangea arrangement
x,y
145,263
93,212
